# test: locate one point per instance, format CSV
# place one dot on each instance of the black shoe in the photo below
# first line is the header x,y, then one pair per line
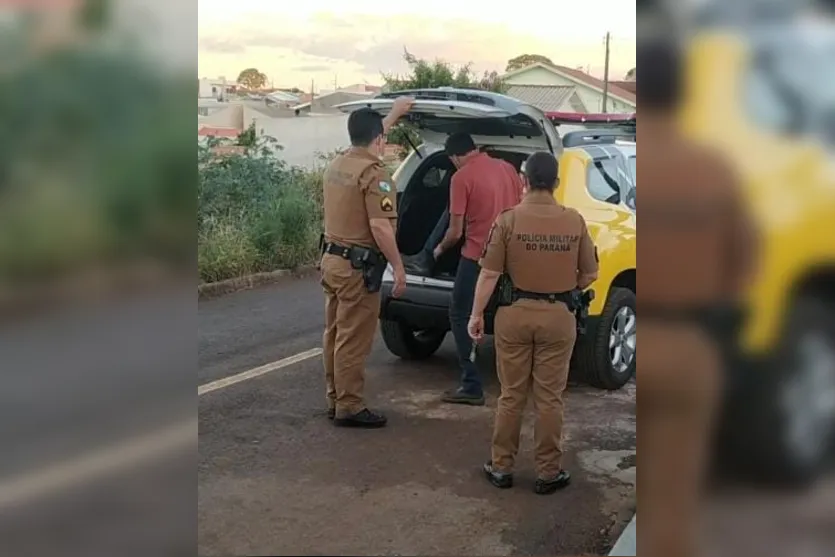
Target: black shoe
x,y
365,418
331,413
460,397
547,487
501,480
421,264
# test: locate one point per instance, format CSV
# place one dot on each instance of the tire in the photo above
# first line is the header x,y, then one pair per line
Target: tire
x,y
781,426
404,342
592,355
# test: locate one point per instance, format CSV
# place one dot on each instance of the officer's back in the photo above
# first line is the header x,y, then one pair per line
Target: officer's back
x,y
546,250
345,201
548,244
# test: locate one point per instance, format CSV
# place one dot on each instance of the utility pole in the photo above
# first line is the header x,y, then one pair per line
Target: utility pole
x,y
606,74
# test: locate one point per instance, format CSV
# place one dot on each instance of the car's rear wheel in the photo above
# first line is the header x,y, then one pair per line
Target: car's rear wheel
x,y
606,359
408,343
782,427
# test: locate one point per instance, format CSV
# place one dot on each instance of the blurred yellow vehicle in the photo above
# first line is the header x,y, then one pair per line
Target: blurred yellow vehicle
x,y
761,97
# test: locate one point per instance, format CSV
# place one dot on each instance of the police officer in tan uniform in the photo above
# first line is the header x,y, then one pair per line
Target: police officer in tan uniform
x,y
545,250
360,219
698,251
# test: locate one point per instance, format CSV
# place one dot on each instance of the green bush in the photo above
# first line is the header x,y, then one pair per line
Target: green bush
x,y
255,213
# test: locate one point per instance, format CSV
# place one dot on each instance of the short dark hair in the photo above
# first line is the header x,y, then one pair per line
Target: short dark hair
x,y
364,126
662,78
542,170
459,144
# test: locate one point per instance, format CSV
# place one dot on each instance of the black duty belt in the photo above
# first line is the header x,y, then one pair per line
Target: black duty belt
x,y
551,298
336,249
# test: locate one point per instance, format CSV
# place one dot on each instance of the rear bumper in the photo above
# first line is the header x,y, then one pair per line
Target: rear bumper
x,y
421,307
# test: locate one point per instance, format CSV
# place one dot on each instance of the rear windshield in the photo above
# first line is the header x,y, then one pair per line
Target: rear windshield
x,y
517,125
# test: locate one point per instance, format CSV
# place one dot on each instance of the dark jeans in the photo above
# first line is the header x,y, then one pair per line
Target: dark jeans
x,y
463,293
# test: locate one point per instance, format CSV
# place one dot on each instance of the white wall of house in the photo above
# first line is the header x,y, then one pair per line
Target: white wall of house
x,y
214,88
592,98
302,138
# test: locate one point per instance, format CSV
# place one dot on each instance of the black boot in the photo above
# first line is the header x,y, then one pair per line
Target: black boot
x,y
420,264
365,418
549,486
457,396
501,480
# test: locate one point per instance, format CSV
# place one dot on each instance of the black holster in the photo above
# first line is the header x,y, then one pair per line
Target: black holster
x,y
579,305
372,264
503,294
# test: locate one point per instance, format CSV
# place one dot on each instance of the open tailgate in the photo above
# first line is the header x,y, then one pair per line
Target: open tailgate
x,y
437,113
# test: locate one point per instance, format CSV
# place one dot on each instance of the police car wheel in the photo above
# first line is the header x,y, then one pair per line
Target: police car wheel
x,y
788,422
410,344
607,358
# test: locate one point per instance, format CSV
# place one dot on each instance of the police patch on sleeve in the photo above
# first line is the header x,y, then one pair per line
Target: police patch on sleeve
x,y
385,186
386,205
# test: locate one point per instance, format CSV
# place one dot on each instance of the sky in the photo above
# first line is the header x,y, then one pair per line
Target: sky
x,y
346,42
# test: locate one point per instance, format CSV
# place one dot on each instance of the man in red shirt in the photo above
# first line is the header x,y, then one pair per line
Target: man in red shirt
x,y
481,188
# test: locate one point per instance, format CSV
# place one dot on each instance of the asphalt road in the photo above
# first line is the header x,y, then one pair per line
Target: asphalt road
x,y
275,477
97,429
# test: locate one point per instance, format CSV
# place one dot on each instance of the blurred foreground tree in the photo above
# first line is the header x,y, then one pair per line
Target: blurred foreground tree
x,y
251,78
96,161
524,60
424,74
630,75
94,15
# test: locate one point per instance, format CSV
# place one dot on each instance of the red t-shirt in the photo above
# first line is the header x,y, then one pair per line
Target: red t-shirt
x,y
479,191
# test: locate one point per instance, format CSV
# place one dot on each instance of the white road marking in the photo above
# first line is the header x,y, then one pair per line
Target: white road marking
x,y
257,372
60,476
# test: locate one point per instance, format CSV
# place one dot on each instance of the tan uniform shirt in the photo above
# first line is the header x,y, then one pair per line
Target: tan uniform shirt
x,y
697,241
357,188
544,246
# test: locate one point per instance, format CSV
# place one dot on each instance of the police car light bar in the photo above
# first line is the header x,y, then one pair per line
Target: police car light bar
x,y
593,137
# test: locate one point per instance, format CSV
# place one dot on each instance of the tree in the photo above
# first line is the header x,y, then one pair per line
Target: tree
x,y
95,14
524,60
630,75
251,78
424,74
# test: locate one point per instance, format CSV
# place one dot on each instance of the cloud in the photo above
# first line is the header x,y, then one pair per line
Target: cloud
x,y
313,68
375,43
368,45
215,45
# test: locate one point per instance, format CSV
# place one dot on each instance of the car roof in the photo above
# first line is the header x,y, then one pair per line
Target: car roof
x,y
477,96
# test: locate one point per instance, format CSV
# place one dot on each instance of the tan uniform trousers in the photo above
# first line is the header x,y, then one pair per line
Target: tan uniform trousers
x,y
351,314
534,341
680,373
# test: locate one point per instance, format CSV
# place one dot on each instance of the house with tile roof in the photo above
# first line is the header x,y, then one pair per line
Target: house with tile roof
x,y
554,88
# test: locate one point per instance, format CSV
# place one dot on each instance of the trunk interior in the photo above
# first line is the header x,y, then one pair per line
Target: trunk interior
x,y
424,200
